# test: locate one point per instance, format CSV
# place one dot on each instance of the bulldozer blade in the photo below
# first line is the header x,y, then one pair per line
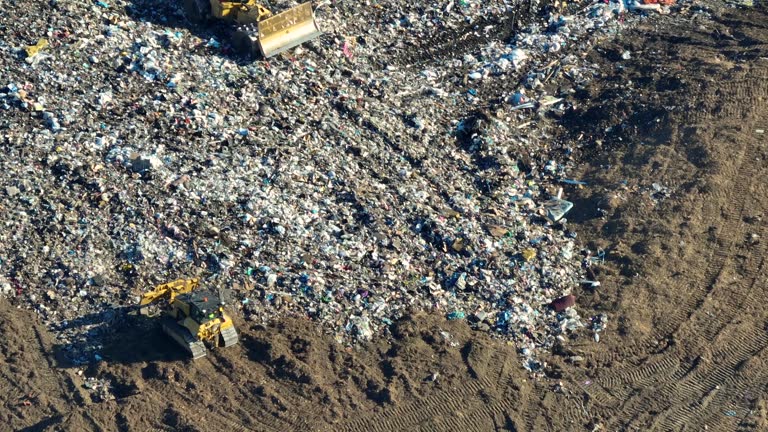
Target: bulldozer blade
x,y
287,30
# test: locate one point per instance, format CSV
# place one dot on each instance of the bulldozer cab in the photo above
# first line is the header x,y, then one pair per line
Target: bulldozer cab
x,y
204,306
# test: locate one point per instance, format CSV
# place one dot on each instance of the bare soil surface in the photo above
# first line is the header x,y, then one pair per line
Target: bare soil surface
x,y
684,284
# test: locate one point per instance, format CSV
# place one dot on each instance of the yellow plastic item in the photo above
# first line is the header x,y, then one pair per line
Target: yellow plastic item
x,y
33,50
529,254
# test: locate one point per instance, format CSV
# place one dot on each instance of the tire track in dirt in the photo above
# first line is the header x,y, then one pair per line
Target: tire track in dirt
x,y
729,103
95,423
733,349
497,371
33,390
474,407
478,418
616,395
507,405
266,422
302,412
611,394
608,391
713,387
683,399
62,380
213,369
532,415
709,310
483,413
571,410
733,97
612,389
717,312
408,417
733,394
481,418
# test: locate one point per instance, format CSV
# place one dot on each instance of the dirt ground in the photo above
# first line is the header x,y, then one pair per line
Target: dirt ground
x,y
684,283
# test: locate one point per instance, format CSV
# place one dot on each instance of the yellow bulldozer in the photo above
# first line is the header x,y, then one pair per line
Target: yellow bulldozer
x,y
192,317
258,30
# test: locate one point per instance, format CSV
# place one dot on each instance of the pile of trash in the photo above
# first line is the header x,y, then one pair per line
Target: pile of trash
x,y
100,390
330,183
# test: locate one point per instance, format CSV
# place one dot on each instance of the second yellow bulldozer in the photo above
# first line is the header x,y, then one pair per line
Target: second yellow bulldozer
x,y
258,30
192,317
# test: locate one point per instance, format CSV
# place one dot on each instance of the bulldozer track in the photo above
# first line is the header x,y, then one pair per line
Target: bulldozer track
x,y
573,409
694,357
681,386
640,374
702,379
96,424
531,415
709,315
479,414
266,420
738,97
496,368
717,261
220,420
607,392
482,415
11,381
609,389
731,102
597,392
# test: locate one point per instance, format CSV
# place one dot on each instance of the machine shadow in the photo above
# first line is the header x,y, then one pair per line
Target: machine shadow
x,y
216,35
123,336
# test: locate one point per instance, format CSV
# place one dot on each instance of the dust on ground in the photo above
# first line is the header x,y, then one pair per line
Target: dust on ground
x,y
675,164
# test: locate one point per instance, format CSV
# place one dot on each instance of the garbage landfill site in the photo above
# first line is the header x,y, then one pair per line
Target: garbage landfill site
x,y
460,214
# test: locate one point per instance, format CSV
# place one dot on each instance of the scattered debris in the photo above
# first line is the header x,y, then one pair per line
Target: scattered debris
x,y
161,158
